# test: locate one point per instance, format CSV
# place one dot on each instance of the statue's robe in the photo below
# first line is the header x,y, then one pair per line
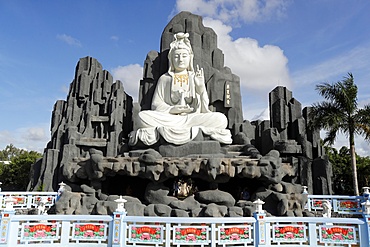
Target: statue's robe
x,y
179,129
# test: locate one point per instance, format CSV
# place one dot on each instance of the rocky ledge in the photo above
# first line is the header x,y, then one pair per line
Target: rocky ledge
x,y
215,189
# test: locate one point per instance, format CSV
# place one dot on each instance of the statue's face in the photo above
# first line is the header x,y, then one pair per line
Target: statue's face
x,y
181,59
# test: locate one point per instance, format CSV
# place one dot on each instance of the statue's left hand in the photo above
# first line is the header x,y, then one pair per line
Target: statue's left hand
x,y
181,109
199,80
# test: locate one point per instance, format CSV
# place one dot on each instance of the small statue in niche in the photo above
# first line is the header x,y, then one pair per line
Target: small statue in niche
x,y
244,194
180,103
183,188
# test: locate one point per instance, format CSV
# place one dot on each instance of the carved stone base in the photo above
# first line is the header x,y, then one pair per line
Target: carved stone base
x,y
191,148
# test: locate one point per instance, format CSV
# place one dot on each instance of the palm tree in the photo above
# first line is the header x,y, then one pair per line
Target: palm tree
x,y
340,113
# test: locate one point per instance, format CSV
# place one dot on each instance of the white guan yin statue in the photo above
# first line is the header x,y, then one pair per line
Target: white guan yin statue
x,y
180,102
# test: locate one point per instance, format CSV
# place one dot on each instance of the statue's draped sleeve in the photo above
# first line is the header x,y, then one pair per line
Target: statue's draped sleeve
x,y
161,97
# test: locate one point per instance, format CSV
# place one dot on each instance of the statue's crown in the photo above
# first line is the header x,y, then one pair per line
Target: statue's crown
x,y
181,36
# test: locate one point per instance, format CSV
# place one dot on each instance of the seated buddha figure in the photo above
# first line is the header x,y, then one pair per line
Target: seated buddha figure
x,y
180,102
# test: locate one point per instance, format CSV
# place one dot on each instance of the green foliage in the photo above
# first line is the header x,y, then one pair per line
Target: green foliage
x,y
9,152
363,168
40,188
342,172
15,176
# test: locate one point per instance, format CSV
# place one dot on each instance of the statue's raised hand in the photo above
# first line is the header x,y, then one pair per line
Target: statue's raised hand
x,y
199,80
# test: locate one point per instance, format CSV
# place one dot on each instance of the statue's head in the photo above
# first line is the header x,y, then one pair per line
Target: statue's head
x,y
181,55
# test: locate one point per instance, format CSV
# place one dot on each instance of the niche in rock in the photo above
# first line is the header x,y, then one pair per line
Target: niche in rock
x,y
239,188
125,186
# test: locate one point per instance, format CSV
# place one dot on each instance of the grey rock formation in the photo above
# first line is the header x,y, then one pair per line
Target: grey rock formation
x,y
267,171
287,132
157,193
70,203
247,206
157,210
104,208
215,196
235,212
88,150
96,115
187,204
134,209
214,210
322,172
179,213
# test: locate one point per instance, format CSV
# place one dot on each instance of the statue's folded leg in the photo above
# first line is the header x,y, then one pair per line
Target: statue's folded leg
x,y
148,136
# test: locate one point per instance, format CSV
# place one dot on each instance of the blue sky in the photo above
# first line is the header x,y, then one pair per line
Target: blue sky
x,y
296,44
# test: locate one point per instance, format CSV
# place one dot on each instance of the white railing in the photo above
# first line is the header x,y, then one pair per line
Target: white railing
x,y
245,231
183,231
28,200
121,230
338,204
134,231
316,231
55,230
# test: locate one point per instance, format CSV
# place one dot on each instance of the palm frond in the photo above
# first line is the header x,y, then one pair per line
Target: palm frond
x,y
326,114
363,122
349,93
342,93
331,135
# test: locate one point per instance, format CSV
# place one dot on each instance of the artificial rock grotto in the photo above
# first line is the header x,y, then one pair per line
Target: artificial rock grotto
x,y
90,146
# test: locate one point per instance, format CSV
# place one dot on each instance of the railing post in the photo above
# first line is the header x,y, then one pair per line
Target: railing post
x,y
305,192
260,225
308,205
62,187
9,229
312,234
326,205
213,235
65,232
41,207
168,235
365,193
334,203
119,232
29,200
365,230
1,201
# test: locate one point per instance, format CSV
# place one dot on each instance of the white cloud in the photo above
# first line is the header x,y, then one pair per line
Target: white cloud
x,y
114,38
365,101
130,76
362,147
263,115
6,138
35,134
335,67
260,69
28,138
235,11
65,89
69,40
